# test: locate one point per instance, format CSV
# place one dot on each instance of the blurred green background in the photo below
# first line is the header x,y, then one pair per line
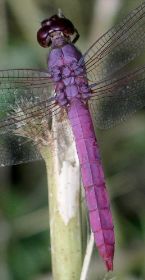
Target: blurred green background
x,y
24,225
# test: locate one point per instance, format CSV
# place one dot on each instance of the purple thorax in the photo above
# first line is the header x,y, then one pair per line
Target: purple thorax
x,y
69,76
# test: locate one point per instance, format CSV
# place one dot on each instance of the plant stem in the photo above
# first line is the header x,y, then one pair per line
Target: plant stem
x,y
87,259
64,212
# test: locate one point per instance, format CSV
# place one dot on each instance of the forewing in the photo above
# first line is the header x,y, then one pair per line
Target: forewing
x,y
24,92
117,47
26,109
15,83
113,100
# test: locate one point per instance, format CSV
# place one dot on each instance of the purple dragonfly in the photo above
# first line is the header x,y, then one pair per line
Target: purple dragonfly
x,y
87,88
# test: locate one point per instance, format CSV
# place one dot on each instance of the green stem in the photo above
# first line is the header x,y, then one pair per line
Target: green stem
x,y
64,216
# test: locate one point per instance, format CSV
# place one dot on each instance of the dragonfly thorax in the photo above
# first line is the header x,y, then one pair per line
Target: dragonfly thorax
x,y
69,76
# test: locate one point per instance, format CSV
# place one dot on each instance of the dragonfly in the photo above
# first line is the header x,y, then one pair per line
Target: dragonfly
x,y
89,90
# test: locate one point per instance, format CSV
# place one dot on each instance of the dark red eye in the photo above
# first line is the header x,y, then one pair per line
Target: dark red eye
x,y
55,23
43,37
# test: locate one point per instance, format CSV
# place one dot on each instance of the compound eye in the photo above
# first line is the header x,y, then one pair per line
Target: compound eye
x,y
43,37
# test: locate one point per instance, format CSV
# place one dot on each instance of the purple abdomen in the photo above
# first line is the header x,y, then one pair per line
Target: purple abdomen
x,y
93,180
73,92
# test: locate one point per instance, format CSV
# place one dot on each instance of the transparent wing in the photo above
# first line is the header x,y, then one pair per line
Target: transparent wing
x,y
23,90
117,47
16,83
114,99
16,150
26,110
23,77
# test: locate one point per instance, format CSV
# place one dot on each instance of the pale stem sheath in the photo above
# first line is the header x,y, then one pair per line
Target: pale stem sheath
x,y
64,204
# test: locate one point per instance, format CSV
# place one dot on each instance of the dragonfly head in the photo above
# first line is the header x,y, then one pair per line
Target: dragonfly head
x,y
54,27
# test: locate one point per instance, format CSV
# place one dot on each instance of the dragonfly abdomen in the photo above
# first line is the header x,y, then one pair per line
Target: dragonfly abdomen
x,y
93,180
